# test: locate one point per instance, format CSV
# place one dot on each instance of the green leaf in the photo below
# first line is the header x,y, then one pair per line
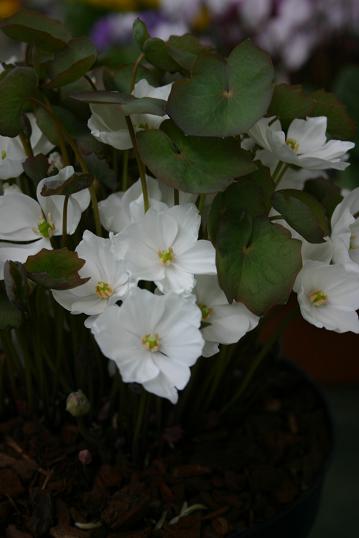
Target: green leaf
x,y
257,262
303,212
127,103
16,88
121,79
340,124
156,52
65,117
288,103
100,169
223,97
36,167
192,164
185,50
326,192
72,62
31,27
16,285
10,316
74,184
140,32
55,269
252,194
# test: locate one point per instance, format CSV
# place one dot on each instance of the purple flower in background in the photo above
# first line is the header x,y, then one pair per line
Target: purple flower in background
x,y
117,29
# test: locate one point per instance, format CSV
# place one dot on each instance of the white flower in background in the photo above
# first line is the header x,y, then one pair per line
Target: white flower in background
x,y
328,296
305,144
108,124
120,209
12,154
345,231
153,339
55,162
109,279
24,219
163,246
223,323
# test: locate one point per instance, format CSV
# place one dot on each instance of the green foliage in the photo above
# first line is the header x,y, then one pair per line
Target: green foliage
x,y
72,62
192,164
74,184
126,102
16,285
35,29
290,102
326,192
121,79
140,32
303,212
10,316
257,261
223,97
16,87
36,168
55,269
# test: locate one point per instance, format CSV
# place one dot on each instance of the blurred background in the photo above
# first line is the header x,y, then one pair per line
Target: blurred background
x,y
314,43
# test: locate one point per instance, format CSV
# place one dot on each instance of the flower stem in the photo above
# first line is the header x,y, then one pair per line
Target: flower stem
x,y
260,357
176,196
134,71
140,165
64,220
279,172
139,424
124,182
26,144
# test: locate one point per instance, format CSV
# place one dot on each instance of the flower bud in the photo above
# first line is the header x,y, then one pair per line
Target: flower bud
x,y
77,404
85,457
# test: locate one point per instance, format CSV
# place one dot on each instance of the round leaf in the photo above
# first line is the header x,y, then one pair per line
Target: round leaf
x,y
36,29
192,164
223,97
72,62
127,103
257,262
140,32
16,88
303,213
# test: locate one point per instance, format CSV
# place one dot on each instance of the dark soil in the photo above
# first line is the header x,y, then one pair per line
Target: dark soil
x,y
230,475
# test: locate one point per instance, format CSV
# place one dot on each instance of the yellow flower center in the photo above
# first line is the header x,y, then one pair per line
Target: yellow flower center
x,y
318,298
3,154
293,144
206,311
166,256
151,342
103,290
46,228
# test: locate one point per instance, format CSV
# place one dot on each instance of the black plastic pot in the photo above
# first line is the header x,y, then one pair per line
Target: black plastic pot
x,y
297,520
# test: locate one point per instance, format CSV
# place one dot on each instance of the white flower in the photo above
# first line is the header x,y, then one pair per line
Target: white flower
x,y
24,219
305,144
12,154
345,231
223,323
108,124
328,296
153,339
109,279
120,209
55,162
163,246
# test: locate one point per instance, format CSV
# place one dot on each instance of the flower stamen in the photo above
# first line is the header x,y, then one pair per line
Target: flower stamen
x,y
103,290
166,256
293,144
46,227
206,311
151,342
318,298
3,154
